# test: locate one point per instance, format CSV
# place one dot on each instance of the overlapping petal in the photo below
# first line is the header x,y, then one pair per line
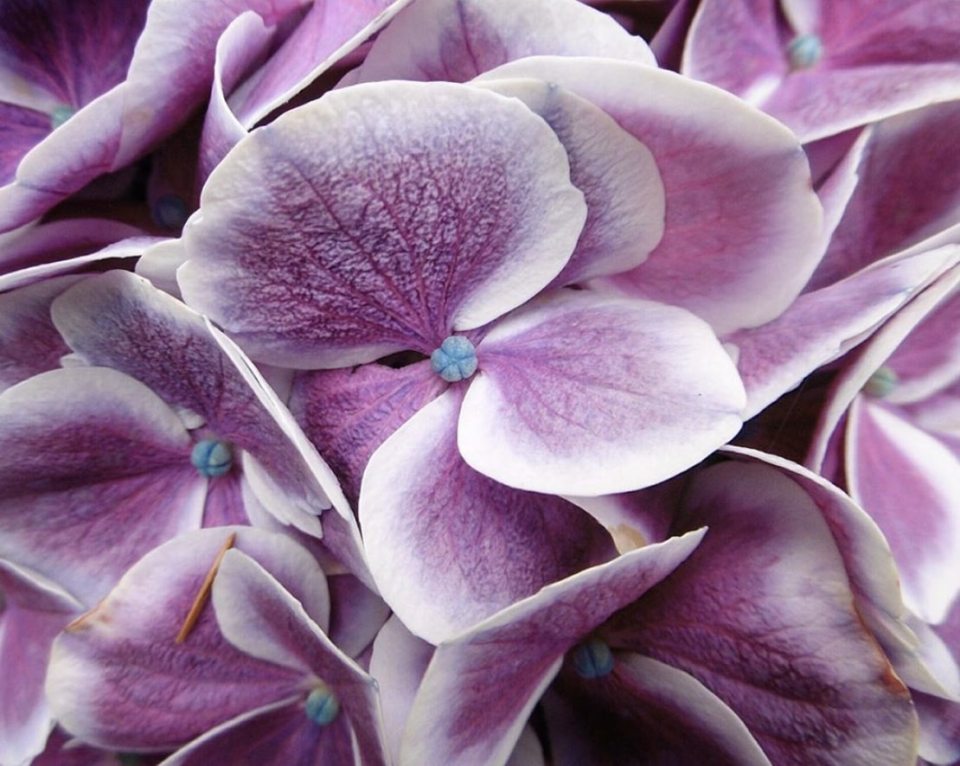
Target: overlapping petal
x,y
581,394
433,207
449,546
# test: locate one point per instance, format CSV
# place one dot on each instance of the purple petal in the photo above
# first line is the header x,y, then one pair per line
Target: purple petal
x,y
347,414
644,712
912,151
274,735
119,679
260,617
584,394
380,252
616,173
821,325
20,130
775,634
737,245
448,546
91,455
29,343
326,34
357,614
459,39
461,714
882,444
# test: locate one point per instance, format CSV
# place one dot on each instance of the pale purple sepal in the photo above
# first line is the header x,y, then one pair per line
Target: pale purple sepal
x,y
63,750
159,264
616,173
460,39
347,414
636,390
119,679
918,513
398,662
449,546
737,246
357,614
260,617
858,63
29,343
93,455
822,325
377,252
776,634
21,129
521,648
32,611
644,712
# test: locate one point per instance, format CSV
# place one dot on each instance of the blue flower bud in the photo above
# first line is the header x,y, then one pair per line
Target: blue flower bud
x,y
455,360
212,457
322,706
60,115
592,659
881,383
804,51
170,212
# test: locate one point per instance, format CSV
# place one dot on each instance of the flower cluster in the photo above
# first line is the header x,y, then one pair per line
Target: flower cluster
x,y
479,382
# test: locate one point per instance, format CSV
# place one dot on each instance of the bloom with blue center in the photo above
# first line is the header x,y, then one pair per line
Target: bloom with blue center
x,y
455,360
212,457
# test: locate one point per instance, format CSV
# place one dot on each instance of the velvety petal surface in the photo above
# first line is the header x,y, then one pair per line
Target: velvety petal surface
x,y
461,713
347,414
118,677
738,242
616,173
460,39
584,394
918,509
762,614
448,546
434,207
260,617
644,713
91,455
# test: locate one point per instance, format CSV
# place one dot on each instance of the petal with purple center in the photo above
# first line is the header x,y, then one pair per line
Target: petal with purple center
x,y
91,455
119,678
20,130
461,714
448,546
762,614
434,207
584,394
738,242
460,39
260,617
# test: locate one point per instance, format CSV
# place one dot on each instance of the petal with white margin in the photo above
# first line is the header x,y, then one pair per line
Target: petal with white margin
x,y
379,219
584,394
119,679
742,222
909,482
762,614
463,715
459,39
96,472
448,546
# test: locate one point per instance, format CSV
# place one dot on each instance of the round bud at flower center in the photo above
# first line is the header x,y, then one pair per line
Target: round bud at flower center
x,y
455,360
881,383
212,457
592,659
804,51
322,706
60,115
170,212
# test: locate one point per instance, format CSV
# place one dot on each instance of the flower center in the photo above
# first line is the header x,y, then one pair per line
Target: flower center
x,y
804,51
60,115
881,383
455,360
322,706
170,211
212,457
592,659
